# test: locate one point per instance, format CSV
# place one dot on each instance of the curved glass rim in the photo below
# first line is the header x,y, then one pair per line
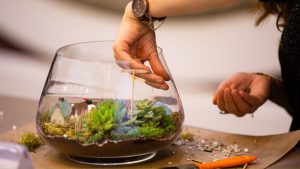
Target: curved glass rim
x,y
59,50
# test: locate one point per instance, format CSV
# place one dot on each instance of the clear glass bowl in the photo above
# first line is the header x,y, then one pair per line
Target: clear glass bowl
x,y
92,108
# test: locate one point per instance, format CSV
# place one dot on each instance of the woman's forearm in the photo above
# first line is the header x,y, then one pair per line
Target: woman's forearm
x,y
159,8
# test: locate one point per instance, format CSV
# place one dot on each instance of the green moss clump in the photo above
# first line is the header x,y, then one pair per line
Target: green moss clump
x,y
31,141
53,129
150,130
45,116
187,136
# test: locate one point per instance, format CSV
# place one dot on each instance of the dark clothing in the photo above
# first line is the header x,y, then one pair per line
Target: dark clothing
x,y
289,57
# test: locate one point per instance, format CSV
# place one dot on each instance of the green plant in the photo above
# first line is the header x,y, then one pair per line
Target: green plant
x,y
101,119
149,120
109,119
31,141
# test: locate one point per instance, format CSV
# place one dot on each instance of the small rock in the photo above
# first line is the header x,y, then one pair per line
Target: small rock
x,y
14,127
170,163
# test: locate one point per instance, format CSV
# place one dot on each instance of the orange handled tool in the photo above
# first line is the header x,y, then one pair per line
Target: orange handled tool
x,y
224,163
228,162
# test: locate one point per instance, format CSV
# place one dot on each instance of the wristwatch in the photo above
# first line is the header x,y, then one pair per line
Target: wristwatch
x,y
140,9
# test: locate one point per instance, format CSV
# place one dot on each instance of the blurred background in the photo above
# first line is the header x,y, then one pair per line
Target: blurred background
x,y
201,50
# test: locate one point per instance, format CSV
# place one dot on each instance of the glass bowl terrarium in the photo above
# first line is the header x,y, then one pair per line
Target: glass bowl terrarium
x,y
94,111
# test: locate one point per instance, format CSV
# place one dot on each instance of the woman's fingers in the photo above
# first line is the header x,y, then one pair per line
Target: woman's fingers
x,y
163,86
243,106
251,100
230,105
235,102
220,100
151,77
157,66
124,60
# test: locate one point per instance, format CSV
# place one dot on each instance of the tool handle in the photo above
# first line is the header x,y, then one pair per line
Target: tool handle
x,y
228,162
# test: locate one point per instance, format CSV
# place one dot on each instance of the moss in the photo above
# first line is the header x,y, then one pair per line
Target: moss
x,y
70,133
45,117
83,135
187,136
151,131
31,141
53,129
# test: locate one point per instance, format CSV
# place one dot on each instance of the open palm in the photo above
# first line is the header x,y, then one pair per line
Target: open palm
x,y
242,93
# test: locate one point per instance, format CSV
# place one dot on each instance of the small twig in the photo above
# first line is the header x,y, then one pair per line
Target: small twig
x,y
245,166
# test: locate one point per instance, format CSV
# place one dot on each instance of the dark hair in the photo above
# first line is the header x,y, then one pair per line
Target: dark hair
x,y
280,8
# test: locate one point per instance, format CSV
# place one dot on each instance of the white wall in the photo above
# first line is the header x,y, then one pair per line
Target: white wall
x,y
200,52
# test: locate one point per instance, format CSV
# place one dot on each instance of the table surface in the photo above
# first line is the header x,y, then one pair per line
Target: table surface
x,y
25,110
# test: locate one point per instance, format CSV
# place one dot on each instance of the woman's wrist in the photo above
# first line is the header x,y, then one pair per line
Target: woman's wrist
x,y
133,20
271,81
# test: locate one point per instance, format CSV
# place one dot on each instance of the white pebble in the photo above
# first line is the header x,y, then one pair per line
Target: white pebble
x,y
215,143
170,163
202,141
246,150
14,127
65,136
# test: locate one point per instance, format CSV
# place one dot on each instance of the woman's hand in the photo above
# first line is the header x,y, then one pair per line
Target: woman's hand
x,y
242,93
136,44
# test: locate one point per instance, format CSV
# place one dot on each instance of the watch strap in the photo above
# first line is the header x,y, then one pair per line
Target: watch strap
x,y
140,9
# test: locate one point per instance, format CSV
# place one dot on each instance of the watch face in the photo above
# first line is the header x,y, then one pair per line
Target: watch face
x,y
139,8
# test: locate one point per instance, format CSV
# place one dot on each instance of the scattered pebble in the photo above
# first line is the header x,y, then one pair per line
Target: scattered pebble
x,y
215,148
65,136
14,127
170,163
215,143
179,142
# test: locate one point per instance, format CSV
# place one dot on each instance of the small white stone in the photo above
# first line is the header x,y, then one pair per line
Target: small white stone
x,y
202,141
246,150
1,113
65,136
170,163
179,142
215,143
14,127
